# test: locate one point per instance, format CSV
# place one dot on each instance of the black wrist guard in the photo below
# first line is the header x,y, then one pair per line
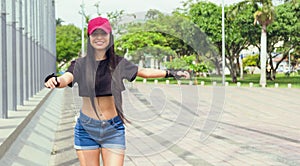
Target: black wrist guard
x,y
172,73
169,74
50,76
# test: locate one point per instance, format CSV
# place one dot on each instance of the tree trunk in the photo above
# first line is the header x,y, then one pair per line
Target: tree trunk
x,y
263,55
217,65
233,72
234,76
272,74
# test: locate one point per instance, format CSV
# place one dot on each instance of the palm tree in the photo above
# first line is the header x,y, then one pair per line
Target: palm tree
x,y
59,22
263,16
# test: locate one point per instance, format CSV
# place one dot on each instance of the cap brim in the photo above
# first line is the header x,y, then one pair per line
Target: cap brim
x,y
99,27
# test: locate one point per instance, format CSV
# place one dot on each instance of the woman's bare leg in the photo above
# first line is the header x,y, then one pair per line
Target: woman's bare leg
x,y
113,157
89,157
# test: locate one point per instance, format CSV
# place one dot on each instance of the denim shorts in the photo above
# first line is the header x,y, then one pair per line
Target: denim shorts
x,y
90,133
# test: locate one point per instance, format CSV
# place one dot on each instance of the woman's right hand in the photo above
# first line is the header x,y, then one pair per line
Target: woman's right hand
x,y
52,81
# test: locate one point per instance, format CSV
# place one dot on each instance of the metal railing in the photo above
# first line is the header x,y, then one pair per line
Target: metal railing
x,y
28,50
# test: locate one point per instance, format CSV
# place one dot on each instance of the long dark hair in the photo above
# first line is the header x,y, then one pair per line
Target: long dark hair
x,y
91,69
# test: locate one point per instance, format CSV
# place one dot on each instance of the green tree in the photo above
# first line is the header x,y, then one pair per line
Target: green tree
x,y
168,34
251,62
240,34
153,14
188,63
286,30
144,42
68,44
207,16
182,35
168,26
239,31
264,16
59,22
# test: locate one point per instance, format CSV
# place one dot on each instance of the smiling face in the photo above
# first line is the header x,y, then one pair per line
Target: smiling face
x,y
99,40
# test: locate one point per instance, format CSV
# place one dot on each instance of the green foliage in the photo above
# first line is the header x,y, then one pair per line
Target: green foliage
x,y
251,60
187,63
143,42
166,36
177,64
152,37
265,12
286,30
201,67
199,24
208,17
282,80
153,14
68,44
135,41
239,30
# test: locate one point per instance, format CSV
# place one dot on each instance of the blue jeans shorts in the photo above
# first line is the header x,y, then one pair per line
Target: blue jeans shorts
x,y
90,133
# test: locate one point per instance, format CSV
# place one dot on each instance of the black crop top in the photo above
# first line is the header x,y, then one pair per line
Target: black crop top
x,y
105,81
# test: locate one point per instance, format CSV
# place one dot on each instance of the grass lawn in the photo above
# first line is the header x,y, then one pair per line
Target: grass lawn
x,y
281,79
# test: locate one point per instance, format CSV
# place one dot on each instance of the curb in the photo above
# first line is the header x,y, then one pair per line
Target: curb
x,y
11,138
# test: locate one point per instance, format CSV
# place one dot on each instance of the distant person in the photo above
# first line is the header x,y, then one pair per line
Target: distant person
x,y
99,75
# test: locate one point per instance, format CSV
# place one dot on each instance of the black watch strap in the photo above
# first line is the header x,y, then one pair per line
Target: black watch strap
x,y
50,76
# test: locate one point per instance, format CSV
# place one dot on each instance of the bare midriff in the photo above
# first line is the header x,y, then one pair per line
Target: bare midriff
x,y
105,106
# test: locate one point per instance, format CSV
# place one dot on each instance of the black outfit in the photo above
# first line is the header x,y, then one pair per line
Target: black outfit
x,y
107,83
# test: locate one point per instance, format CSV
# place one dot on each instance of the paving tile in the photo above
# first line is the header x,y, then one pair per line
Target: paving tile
x,y
248,132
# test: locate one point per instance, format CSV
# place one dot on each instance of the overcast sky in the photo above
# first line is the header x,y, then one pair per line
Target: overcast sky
x,y
68,10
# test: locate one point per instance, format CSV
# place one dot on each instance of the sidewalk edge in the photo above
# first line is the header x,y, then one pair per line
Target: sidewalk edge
x,y
11,138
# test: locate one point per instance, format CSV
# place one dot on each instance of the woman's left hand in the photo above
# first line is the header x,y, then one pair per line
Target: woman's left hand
x,y
184,74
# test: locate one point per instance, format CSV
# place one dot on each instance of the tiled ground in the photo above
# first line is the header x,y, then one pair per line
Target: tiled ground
x,y
198,125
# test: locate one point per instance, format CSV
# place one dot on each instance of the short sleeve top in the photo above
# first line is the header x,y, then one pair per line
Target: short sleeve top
x,y
106,82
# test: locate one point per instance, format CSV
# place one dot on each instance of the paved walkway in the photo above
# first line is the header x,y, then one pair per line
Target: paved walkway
x,y
177,125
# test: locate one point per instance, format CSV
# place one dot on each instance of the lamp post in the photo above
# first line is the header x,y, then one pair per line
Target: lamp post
x,y
82,29
223,44
3,64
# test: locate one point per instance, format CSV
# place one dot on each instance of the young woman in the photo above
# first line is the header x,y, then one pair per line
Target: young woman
x,y
99,75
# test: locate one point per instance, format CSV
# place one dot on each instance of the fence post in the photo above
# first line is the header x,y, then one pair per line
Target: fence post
x,y
3,91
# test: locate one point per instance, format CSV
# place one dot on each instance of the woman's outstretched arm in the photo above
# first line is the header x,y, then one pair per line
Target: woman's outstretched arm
x,y
156,73
59,82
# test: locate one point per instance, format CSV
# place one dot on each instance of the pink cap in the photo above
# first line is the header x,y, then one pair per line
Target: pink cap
x,y
99,22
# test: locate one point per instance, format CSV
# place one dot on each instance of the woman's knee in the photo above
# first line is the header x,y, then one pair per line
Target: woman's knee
x,y
112,156
89,157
